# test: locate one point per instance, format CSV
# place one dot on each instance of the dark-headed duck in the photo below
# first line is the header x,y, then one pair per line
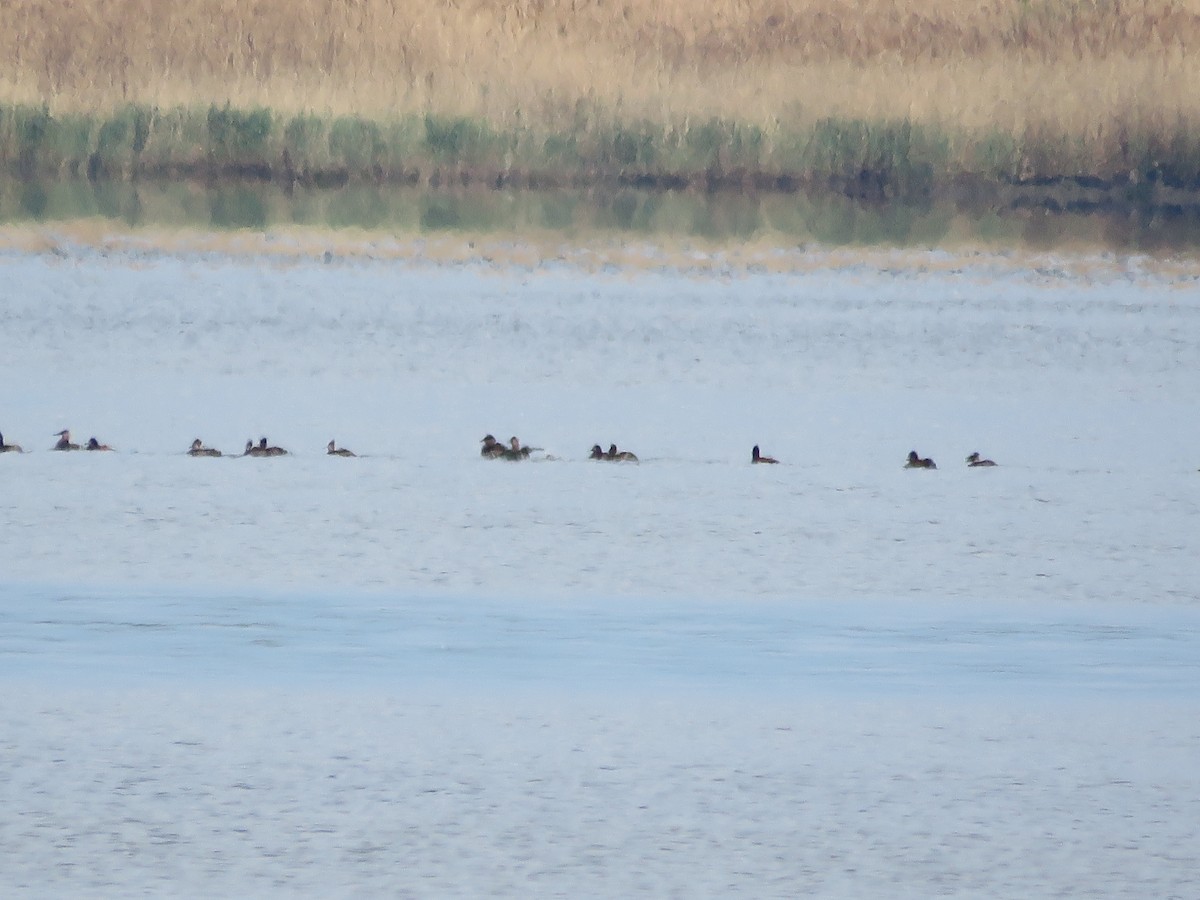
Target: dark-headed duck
x,y
198,449
64,441
264,450
261,449
9,448
331,450
757,457
916,462
492,448
974,460
94,444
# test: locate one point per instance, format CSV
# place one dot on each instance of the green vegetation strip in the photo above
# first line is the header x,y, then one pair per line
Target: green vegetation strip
x,y
872,160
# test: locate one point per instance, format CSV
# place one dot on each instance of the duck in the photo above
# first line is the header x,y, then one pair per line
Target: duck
x,y
974,460
9,448
330,450
612,454
94,444
64,441
619,455
198,449
261,449
264,450
492,448
757,457
916,462
515,451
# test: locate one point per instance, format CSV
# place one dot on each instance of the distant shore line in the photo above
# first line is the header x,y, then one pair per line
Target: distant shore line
x,y
594,253
874,162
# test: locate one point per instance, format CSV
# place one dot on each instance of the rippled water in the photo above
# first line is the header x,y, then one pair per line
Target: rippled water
x,y
421,673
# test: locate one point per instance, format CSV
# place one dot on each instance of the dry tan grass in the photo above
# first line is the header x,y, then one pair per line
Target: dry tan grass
x,y
1075,67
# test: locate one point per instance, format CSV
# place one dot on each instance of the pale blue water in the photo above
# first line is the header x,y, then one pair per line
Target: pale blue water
x,y
423,674
80,636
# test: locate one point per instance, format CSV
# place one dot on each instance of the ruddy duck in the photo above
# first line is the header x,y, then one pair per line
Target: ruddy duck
x,y
757,457
973,460
492,448
94,444
64,441
198,449
330,450
916,462
9,448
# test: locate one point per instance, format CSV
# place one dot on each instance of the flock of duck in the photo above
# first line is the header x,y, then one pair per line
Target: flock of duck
x,y
514,450
491,448
262,448
916,461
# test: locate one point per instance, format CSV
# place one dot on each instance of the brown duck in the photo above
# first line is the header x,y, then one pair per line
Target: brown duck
x,y
757,457
916,462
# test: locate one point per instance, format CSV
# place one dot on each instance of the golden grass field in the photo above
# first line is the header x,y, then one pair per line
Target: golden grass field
x,y
1075,86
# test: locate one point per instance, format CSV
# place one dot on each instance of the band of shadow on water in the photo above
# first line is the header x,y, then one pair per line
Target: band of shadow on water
x,y
772,649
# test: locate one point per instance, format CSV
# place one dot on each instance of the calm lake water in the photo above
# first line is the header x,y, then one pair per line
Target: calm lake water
x,y
420,673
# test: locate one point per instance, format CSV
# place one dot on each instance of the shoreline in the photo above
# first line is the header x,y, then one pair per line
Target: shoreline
x,y
590,253
1128,193
876,160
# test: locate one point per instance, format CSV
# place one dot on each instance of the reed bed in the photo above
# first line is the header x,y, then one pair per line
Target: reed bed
x,y
881,97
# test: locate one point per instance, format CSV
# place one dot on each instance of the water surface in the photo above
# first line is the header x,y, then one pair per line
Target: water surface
x,y
579,215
